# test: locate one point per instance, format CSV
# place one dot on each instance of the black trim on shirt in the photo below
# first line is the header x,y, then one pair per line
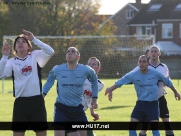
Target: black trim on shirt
x,y
160,64
39,77
22,59
13,83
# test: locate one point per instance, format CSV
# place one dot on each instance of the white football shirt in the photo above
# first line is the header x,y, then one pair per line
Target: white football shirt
x,y
87,94
26,72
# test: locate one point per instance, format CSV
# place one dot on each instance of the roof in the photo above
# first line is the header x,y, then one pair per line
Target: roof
x,y
132,5
166,11
169,48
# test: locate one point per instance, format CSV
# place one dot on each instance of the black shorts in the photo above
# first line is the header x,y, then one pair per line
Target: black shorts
x,y
164,112
29,113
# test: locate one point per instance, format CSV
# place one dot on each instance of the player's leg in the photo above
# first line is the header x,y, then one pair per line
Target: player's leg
x,y
18,133
132,126
144,126
19,116
60,115
74,134
78,115
154,127
136,116
37,115
41,133
153,116
164,115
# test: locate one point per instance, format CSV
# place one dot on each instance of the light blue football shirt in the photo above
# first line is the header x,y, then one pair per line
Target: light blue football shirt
x,y
146,85
70,83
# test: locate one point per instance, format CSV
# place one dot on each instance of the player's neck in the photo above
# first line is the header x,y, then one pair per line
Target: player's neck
x,y
22,54
72,65
144,71
154,62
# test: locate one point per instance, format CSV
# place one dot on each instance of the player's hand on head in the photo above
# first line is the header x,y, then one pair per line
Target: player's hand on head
x,y
109,93
6,49
28,35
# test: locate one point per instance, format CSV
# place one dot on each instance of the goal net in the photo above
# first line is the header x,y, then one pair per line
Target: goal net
x,y
117,54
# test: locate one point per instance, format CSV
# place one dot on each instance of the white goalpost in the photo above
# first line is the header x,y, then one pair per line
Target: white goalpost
x,y
118,54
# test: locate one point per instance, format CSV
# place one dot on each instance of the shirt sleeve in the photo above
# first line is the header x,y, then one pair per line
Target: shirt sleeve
x,y
5,67
43,55
93,79
49,82
126,79
164,79
100,85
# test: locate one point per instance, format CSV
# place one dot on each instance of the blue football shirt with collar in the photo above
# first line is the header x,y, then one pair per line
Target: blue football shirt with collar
x,y
146,85
70,83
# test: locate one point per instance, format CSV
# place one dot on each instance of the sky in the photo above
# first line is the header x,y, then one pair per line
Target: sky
x,y
112,6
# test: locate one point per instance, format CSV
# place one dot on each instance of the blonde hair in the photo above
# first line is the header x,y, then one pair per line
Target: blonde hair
x,y
154,46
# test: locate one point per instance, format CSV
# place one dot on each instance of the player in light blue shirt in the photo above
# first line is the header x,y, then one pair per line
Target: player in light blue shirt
x,y
71,77
146,85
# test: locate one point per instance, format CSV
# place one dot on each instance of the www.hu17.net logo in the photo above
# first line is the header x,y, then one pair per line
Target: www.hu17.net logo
x,y
26,70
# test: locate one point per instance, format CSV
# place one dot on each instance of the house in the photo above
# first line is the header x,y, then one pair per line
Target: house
x,y
161,18
123,16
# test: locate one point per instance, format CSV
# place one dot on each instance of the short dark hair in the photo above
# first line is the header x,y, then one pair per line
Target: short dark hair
x,y
75,49
147,59
99,63
27,41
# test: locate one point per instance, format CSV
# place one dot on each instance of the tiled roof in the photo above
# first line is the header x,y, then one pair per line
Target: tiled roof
x,y
167,11
169,48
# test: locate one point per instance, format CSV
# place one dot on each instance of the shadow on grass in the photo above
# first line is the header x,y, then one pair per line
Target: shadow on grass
x,y
113,107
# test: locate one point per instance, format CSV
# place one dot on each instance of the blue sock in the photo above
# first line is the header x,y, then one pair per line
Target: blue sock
x,y
155,132
132,133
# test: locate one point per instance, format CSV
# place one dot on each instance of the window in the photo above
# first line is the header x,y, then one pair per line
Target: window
x,y
155,7
167,30
129,14
143,30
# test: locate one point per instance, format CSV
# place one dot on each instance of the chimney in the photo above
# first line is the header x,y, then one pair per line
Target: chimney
x,y
138,4
138,1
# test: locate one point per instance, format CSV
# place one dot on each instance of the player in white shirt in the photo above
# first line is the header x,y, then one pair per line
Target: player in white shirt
x,y
25,70
95,64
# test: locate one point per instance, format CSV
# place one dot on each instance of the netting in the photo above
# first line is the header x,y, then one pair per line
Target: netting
x,y
117,54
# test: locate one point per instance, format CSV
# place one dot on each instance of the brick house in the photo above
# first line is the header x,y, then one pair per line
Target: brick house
x,y
161,18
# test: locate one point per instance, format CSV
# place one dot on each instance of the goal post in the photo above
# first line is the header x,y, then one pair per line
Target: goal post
x,y
117,54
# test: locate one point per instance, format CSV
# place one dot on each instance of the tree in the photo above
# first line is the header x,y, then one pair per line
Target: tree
x,y
57,17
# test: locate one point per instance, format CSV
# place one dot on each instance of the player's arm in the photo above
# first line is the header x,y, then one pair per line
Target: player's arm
x,y
5,65
94,115
49,82
168,83
43,55
93,79
122,81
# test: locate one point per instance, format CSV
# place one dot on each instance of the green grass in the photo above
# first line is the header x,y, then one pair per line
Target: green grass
x,y
118,110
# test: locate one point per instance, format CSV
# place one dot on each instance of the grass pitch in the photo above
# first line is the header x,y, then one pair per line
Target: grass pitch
x,y
119,109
